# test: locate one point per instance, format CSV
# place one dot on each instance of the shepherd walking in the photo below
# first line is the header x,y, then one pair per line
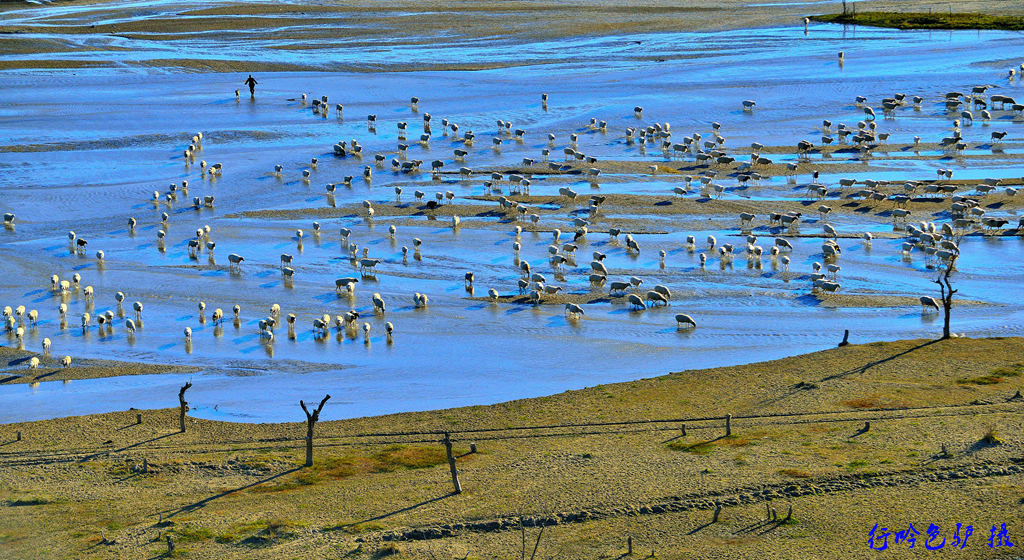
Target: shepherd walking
x,y
251,82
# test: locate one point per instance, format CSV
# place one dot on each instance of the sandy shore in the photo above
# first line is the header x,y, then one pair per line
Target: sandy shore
x,y
14,368
97,486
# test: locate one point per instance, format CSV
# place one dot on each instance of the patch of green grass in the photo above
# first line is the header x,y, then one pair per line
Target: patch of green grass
x,y
991,437
856,464
920,20
982,380
794,473
1012,370
389,459
189,534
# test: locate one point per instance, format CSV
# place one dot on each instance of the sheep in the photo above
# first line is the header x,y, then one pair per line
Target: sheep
x,y
420,300
188,334
87,293
378,303
635,301
33,317
492,294
366,333
237,309
65,362
655,298
663,290
46,346
33,363
573,310
129,325
235,260
684,319
345,284
367,263
927,302
137,307
86,320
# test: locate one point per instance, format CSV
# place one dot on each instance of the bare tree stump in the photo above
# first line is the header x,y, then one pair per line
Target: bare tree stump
x,y
451,463
182,406
946,290
846,338
311,420
718,510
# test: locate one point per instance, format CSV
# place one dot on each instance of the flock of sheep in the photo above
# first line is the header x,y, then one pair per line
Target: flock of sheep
x,y
939,241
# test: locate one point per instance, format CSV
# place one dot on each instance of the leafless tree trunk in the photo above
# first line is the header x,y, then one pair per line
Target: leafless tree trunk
x,y
182,405
947,291
311,420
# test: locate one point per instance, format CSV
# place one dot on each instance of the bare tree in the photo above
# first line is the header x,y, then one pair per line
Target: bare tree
x,y
947,291
311,420
182,405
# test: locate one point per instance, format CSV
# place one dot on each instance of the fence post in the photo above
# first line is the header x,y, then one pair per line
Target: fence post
x,y
451,463
728,424
683,428
138,418
19,436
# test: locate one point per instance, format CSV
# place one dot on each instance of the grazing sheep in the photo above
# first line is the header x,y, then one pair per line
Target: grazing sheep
x,y
188,334
33,363
492,294
378,304
636,302
655,298
65,362
367,263
573,310
390,330
419,300
927,302
366,333
235,260
46,346
129,325
684,319
237,309
137,307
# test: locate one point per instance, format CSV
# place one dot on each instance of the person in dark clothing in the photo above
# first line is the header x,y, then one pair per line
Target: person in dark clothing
x,y
251,82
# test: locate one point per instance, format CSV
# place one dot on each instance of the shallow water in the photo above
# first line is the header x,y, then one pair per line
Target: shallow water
x,y
78,154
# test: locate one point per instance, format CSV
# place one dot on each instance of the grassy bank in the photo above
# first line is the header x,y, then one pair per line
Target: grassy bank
x,y
106,486
921,20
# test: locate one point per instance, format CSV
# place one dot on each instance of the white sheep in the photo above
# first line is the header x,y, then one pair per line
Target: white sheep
x,y
636,302
33,363
684,319
378,303
46,345
65,361
573,310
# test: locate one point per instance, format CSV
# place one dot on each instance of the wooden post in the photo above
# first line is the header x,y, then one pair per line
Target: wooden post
x,y
683,428
19,436
846,338
451,463
472,448
311,419
728,424
170,546
789,515
629,545
718,510
182,406
138,418
867,427
768,509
